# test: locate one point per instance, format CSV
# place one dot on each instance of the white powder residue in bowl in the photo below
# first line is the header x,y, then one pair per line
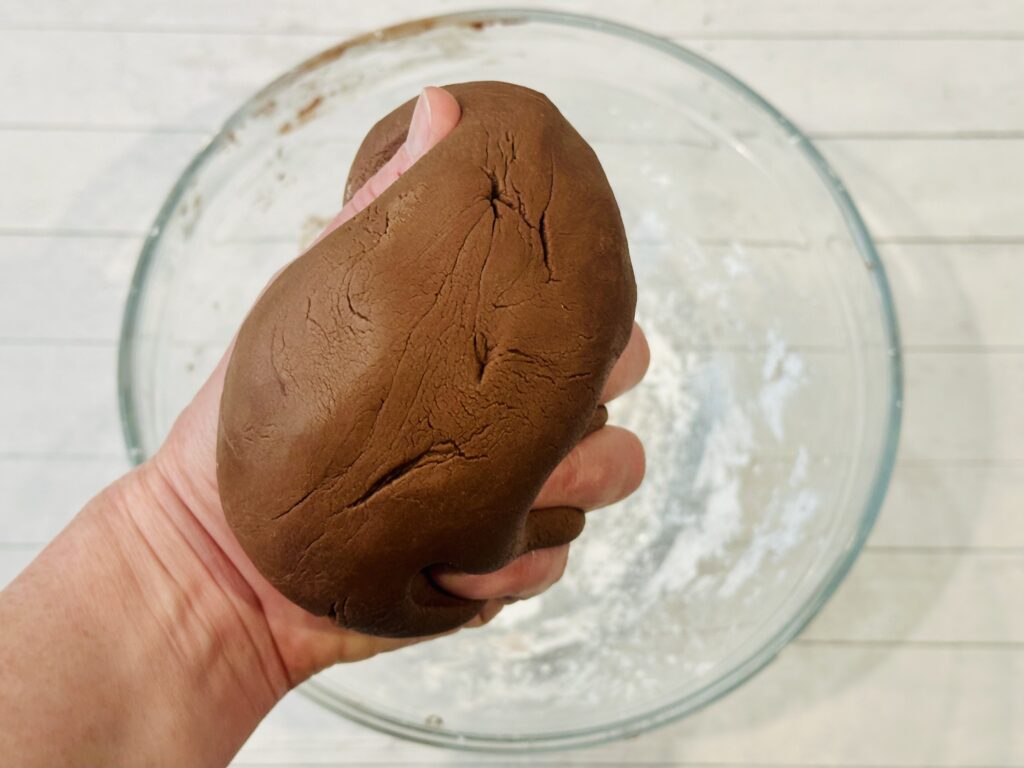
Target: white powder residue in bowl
x,y
666,579
782,373
728,450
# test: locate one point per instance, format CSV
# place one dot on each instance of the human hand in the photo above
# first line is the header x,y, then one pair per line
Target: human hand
x,y
605,467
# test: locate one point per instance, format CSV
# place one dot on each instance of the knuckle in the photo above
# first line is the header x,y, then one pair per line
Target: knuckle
x,y
637,464
520,570
643,353
532,574
570,473
601,475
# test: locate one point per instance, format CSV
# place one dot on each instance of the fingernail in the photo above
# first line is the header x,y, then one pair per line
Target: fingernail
x,y
419,127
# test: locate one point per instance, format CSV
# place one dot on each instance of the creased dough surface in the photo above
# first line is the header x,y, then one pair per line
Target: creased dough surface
x,y
398,396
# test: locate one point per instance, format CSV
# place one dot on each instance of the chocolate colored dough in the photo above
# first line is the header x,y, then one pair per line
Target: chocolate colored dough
x,y
400,393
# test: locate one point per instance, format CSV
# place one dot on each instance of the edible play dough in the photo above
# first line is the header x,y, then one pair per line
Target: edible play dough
x,y
398,396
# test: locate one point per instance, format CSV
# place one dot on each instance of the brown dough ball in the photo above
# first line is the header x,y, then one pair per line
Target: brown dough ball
x,y
398,396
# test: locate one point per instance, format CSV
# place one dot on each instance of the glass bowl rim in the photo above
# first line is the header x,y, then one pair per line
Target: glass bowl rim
x,y
755,661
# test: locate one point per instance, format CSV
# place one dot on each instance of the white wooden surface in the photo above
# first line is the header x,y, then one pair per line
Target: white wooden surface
x,y
919,660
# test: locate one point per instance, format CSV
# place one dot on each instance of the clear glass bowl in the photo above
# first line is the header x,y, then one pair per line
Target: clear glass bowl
x,y
770,413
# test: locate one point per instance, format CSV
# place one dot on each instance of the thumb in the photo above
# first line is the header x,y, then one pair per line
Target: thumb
x,y
435,116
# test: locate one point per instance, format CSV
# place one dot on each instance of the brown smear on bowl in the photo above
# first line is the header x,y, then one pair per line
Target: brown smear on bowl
x,y
265,109
304,115
397,32
388,34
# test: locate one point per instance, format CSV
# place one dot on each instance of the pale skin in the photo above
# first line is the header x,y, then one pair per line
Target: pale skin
x,y
143,635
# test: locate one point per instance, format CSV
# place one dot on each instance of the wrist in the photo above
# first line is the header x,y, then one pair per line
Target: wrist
x,y
152,650
204,625
173,552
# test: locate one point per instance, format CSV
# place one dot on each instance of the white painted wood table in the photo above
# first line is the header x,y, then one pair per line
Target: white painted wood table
x,y
919,659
